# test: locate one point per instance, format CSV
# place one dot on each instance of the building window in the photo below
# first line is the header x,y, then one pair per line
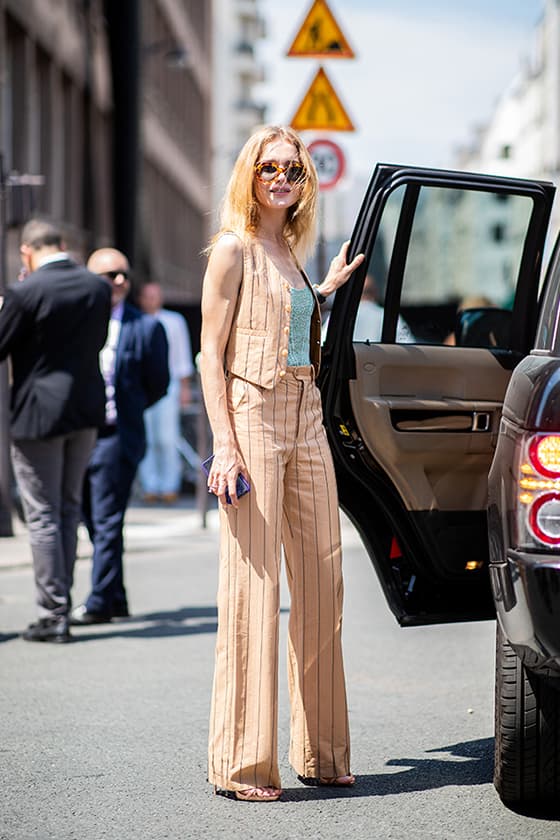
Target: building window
x,y
17,85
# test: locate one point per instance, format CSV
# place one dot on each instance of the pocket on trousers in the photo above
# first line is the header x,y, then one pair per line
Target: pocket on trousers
x,y
242,394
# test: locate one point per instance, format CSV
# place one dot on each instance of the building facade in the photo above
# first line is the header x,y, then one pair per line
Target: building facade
x,y
111,104
522,137
237,30
520,140
55,117
176,160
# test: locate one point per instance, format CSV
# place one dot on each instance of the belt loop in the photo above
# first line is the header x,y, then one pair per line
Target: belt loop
x,y
302,372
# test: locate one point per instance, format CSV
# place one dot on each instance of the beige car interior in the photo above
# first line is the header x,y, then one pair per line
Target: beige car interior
x,y
430,417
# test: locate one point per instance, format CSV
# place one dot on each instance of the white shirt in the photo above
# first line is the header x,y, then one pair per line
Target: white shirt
x,y
107,362
58,256
180,353
369,322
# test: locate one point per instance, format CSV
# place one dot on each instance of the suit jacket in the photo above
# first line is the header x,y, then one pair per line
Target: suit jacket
x,y
53,325
141,377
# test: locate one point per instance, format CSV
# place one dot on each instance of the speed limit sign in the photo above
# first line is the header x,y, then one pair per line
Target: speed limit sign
x,y
329,162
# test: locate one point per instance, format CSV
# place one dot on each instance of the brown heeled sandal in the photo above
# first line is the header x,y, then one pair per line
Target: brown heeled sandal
x,y
334,781
254,794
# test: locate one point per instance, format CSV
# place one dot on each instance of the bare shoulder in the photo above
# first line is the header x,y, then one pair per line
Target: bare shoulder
x,y
228,249
225,266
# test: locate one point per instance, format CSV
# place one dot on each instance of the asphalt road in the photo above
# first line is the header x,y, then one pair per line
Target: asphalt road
x,y
105,739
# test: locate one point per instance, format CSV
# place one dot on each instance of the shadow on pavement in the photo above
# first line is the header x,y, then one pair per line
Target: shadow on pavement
x,y
185,621
182,614
475,767
7,637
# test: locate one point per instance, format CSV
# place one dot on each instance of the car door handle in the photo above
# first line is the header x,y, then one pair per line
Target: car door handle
x,y
482,421
448,421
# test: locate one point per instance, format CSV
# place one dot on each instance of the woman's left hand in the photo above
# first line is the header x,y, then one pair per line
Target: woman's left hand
x,y
340,271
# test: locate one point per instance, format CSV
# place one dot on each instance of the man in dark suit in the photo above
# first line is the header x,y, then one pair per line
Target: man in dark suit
x,y
134,366
53,325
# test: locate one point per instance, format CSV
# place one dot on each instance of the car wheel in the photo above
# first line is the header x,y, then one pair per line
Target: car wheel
x,y
527,729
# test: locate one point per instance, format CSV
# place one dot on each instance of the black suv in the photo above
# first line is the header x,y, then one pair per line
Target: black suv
x,y
441,396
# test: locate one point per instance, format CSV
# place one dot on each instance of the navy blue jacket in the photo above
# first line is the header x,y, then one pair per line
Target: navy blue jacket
x,y
53,325
141,377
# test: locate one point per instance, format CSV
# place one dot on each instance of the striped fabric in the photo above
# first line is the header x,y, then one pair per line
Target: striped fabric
x,y
258,344
292,504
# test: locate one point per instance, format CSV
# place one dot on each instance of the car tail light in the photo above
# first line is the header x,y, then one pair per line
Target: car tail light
x,y
544,518
539,490
544,454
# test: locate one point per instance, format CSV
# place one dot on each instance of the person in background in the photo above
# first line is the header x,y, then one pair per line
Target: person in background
x,y
134,367
260,355
160,470
469,302
369,320
53,326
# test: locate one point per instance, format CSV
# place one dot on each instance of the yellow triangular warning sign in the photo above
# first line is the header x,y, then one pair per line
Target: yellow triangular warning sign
x,y
320,35
321,109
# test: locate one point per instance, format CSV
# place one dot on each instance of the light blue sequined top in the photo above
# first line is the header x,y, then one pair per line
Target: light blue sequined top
x,y
303,304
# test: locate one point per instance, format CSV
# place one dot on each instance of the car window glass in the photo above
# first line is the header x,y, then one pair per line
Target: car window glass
x,y
548,332
369,318
464,252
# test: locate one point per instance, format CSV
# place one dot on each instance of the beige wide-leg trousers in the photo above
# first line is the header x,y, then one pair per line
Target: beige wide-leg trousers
x,y
293,503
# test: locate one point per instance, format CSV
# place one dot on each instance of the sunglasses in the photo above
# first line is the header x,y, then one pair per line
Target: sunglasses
x,y
268,171
112,275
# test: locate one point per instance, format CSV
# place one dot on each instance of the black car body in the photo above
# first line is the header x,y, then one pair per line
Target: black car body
x,y
445,443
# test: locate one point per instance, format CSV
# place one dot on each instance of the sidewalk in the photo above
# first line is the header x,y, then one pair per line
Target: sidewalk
x,y
14,551
144,523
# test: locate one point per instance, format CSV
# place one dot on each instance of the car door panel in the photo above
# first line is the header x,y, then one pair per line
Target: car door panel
x,y
426,418
413,426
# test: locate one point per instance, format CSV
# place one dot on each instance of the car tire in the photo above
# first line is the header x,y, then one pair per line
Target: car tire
x,y
527,730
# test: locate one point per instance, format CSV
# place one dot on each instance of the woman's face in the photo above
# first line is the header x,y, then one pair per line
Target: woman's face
x,y
276,189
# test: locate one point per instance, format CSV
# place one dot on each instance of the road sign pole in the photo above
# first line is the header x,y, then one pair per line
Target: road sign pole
x,y
321,243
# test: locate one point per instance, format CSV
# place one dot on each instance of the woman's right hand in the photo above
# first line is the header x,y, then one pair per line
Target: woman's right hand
x,y
219,296
226,467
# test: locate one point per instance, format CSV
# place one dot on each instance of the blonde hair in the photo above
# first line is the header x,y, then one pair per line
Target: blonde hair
x,y
240,209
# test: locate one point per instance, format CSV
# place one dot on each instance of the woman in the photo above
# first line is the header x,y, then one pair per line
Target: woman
x,y
260,355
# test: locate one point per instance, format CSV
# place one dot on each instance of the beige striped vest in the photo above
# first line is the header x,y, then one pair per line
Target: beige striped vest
x,y
257,348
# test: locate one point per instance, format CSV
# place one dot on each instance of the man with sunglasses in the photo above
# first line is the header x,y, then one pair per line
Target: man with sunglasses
x,y
53,325
135,369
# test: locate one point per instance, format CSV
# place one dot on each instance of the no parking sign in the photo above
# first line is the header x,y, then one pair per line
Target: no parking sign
x,y
329,162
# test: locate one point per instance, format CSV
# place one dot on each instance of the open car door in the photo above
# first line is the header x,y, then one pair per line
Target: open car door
x,y
418,353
